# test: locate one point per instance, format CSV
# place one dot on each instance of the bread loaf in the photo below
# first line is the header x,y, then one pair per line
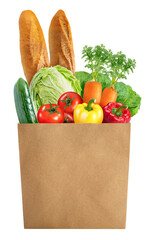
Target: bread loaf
x,y
32,45
60,42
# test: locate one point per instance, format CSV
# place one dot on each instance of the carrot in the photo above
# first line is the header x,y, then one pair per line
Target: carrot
x,y
102,61
92,90
109,95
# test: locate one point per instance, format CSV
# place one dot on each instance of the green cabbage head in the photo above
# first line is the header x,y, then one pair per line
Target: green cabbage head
x,y
48,84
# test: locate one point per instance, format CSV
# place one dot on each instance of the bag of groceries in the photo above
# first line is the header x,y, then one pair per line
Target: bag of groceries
x,y
74,173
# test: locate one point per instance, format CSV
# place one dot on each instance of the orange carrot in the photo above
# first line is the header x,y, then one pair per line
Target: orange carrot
x,y
109,95
92,90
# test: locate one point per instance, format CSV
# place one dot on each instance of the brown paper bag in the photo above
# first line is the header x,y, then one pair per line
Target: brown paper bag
x,y
74,175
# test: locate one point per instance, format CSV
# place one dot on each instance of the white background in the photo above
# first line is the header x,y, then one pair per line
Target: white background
x,y
119,25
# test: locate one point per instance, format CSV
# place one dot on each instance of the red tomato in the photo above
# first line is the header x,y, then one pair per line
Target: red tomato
x,y
69,100
50,113
68,118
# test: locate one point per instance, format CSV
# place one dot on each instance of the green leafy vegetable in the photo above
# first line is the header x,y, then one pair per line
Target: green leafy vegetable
x,y
48,84
101,60
69,76
125,94
119,66
83,78
104,80
96,58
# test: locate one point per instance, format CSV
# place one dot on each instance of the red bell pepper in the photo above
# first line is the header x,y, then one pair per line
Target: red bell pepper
x,y
116,113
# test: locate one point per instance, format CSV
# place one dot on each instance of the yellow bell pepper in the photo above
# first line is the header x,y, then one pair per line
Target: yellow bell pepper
x,y
88,113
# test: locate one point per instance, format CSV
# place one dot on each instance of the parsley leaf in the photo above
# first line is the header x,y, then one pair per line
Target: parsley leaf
x,y
100,60
119,66
96,59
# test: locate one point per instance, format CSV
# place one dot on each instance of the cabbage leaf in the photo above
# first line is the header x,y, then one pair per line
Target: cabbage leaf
x,y
48,84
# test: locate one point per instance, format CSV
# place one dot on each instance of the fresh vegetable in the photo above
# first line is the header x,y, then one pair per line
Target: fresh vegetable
x,y
127,96
88,113
68,118
109,95
125,93
112,68
96,59
49,84
92,90
69,100
23,103
50,113
116,113
84,77
119,66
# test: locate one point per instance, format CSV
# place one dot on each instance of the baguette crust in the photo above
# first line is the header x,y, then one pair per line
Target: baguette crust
x,y
60,42
33,48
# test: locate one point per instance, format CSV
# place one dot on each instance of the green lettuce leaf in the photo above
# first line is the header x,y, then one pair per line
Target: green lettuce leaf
x,y
83,77
127,96
48,84
69,76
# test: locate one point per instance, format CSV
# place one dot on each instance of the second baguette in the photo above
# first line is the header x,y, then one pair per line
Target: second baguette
x,y
60,42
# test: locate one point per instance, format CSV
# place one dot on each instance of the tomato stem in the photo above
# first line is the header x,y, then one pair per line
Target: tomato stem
x,y
52,109
67,101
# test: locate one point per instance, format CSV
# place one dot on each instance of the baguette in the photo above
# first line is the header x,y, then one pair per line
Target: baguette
x,y
60,42
32,45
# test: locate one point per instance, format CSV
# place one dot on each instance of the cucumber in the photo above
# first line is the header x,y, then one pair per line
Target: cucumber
x,y
23,102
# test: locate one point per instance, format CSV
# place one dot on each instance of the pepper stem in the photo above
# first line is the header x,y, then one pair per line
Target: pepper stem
x,y
118,111
89,108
